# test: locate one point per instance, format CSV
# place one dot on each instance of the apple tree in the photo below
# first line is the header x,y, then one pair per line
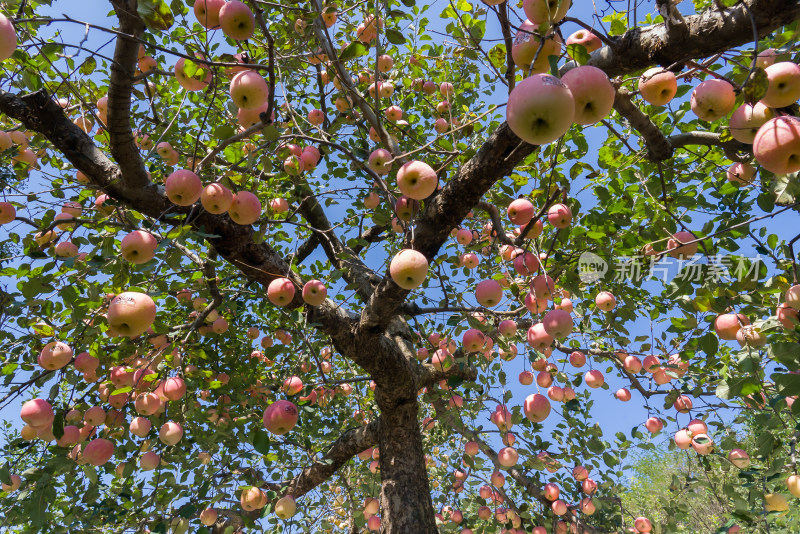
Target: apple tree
x,y
398,266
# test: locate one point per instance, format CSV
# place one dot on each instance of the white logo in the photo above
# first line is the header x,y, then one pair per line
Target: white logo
x,y
591,267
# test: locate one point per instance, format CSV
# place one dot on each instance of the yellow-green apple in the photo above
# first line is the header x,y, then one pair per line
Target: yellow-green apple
x,y
170,433
728,325
417,180
557,323
536,407
739,458
793,485
587,39
192,75
208,516
541,11
314,292
207,12
538,338
712,99
559,215
678,249
249,90
55,355
131,314
777,145
380,161
245,208
138,247
747,119
605,300
8,38
237,20
592,92
253,498
183,187
280,417
527,43
488,293
408,268
540,109
216,198
784,84
280,291
740,174
658,86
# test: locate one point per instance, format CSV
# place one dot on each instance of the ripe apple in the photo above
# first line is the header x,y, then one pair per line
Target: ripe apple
x,y
280,291
658,86
740,174
174,388
623,394
793,485
536,407
170,433
245,208
540,109
149,461
249,90
784,84
316,117
594,378
8,38
98,451
520,211
208,516
559,215
183,187
380,161
605,300
237,20
253,498
592,92
558,323
541,11
777,145
131,314
728,325
310,158
216,198
409,268
16,482
642,524
747,119
280,417
527,43
140,426
587,39
138,247
654,425
677,248
488,293
55,355
739,458
37,413
192,75
507,457
207,12
417,180
314,293
713,99
66,249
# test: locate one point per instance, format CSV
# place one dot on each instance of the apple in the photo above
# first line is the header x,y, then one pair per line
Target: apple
x,y
713,99
677,248
777,145
592,92
147,404
245,208
417,180
683,404
775,502
728,325
85,362
658,86
380,161
488,293
751,336
316,117
249,90
520,211
237,20
559,215
140,426
216,198
558,323
5,141
408,268
540,109
605,300
192,76
594,378
279,205
747,119
545,11
393,113
147,63
207,12
55,355
793,485
739,458
310,158
174,388
16,480
585,38
149,461
784,84
740,174
8,38
372,200
526,45
131,314
208,516
281,291
253,498
542,287
98,451
138,247
27,158
577,359
66,249
183,187
37,413
314,293
170,433
654,425
507,457
280,417
642,524
250,117
623,394
538,338
766,58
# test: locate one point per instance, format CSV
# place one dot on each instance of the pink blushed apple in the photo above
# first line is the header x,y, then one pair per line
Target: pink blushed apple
x,y
237,20
784,84
541,11
37,413
605,300
592,92
558,323
280,417
681,245
727,325
249,90
712,99
216,198
408,268
747,119
536,407
559,215
207,12
314,292
380,161
777,145
740,174
138,247
526,45
98,451
183,187
540,109
55,355
587,39
488,293
245,208
658,86
131,314
520,211
192,75
8,38
170,433
417,180
281,291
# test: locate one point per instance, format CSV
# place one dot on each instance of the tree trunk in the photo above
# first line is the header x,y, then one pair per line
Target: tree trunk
x,y
405,493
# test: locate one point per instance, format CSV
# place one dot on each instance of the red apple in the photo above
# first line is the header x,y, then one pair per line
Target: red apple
x,y
98,451
314,293
558,323
417,180
170,433
728,325
37,413
8,38
536,407
559,215
193,76
183,187
216,198
784,84
587,39
747,119
740,174
245,208
280,417
677,248
207,12
380,161
713,99
138,247
488,293
249,90
739,458
520,211
527,43
55,355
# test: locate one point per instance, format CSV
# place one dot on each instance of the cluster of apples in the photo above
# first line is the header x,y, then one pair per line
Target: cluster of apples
x,y
24,155
298,159
235,18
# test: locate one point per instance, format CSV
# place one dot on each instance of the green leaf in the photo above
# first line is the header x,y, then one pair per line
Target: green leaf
x,y
787,384
89,65
261,441
353,51
58,424
553,60
395,37
224,132
155,14
579,53
756,85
